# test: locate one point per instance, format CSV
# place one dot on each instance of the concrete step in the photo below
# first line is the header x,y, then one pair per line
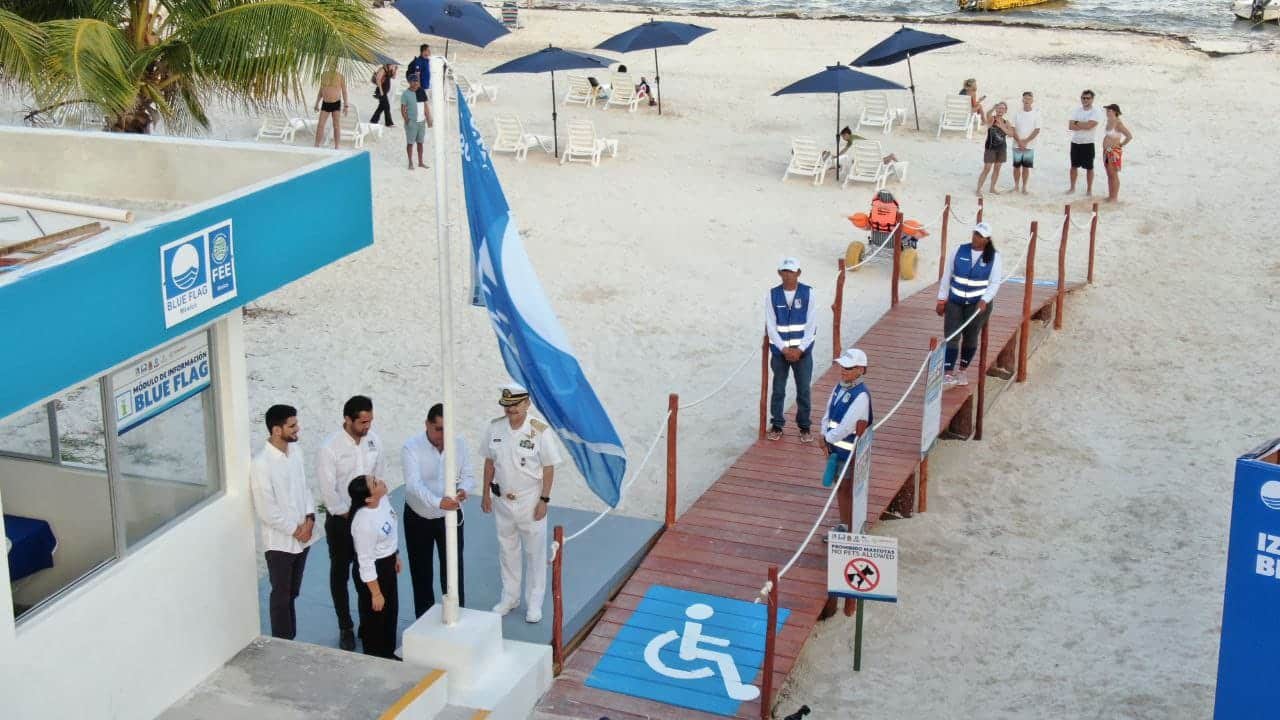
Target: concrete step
x,y
425,701
510,687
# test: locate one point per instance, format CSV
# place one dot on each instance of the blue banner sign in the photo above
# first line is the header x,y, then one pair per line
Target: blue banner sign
x,y
1250,633
160,380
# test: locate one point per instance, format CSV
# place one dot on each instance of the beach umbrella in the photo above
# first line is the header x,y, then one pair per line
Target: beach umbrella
x,y
651,36
462,20
374,57
837,79
901,46
549,60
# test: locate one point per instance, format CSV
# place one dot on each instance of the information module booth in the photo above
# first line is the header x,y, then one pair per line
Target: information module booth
x,y
124,420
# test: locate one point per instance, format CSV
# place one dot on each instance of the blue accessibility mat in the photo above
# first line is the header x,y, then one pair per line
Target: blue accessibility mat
x,y
645,658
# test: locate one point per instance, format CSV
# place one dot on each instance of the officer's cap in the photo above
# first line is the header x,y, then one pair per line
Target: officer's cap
x,y
512,394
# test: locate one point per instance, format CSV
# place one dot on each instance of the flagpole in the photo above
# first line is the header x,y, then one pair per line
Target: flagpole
x,y
438,89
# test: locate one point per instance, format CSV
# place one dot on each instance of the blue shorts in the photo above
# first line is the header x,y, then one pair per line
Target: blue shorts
x,y
415,132
1024,158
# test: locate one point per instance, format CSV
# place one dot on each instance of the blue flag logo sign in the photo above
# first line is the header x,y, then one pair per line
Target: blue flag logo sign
x,y
534,347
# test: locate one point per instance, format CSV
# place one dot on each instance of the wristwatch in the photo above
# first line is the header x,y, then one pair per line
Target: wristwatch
x,y
545,499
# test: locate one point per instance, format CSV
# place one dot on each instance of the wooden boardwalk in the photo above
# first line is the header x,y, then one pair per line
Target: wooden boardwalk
x,y
760,510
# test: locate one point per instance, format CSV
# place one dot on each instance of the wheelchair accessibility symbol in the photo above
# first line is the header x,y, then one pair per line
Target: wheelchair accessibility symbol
x,y
691,650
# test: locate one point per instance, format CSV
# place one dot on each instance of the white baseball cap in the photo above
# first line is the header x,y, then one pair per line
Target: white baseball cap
x,y
789,263
852,358
982,229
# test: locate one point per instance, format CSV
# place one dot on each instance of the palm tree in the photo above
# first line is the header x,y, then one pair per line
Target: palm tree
x,y
142,60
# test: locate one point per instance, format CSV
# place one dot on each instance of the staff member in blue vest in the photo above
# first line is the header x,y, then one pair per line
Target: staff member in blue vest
x,y
792,325
968,287
848,415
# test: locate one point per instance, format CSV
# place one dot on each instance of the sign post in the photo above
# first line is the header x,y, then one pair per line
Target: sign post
x,y
862,567
1250,635
861,479
931,424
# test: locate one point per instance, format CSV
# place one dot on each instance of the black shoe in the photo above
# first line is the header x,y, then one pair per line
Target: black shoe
x,y
347,640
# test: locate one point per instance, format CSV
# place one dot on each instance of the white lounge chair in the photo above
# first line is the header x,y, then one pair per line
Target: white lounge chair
x,y
472,91
622,92
354,131
807,161
513,139
867,164
279,126
877,113
584,145
580,91
957,115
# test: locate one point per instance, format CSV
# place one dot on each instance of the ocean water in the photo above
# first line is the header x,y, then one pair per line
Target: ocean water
x,y
1209,23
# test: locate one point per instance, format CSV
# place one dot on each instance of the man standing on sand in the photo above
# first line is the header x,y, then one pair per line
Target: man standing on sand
x,y
791,324
287,515
413,113
520,458
426,505
1026,125
421,66
1084,126
354,450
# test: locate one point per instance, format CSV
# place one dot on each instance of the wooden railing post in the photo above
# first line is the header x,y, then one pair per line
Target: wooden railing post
x,y
770,643
673,411
982,381
1093,240
942,248
978,218
896,239
837,311
1060,300
922,495
764,382
557,603
1024,334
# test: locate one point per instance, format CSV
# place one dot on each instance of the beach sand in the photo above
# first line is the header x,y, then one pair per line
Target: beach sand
x,y
1071,564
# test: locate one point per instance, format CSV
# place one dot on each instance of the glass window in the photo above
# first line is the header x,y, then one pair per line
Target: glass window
x,y
27,433
165,425
59,516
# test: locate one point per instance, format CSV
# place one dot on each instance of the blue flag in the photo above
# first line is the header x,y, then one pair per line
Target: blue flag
x,y
534,346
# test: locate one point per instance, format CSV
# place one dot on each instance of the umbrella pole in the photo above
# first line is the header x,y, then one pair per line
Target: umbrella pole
x,y
657,79
836,157
914,108
555,131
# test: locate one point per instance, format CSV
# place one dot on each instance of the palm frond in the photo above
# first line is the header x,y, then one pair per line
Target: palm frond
x,y
21,47
90,59
42,10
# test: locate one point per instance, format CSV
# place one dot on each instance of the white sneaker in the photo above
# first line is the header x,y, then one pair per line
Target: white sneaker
x,y
505,606
949,380
962,378
533,616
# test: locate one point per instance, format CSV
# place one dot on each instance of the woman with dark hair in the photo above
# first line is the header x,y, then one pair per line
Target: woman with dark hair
x,y
382,92
1113,142
968,287
375,535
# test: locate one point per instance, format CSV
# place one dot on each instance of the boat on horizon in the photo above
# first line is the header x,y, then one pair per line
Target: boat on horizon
x,y
998,4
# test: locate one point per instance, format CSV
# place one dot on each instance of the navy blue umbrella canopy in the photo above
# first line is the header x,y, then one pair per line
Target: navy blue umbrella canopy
x,y
651,36
837,79
462,20
374,57
901,46
548,60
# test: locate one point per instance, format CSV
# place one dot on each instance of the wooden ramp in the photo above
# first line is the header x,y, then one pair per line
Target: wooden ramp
x,y
760,510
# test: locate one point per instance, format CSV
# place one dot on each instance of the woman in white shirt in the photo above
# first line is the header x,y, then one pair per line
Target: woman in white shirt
x,y
375,534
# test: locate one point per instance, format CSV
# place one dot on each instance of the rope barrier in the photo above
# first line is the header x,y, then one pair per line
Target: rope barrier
x,y
1078,226
751,356
962,221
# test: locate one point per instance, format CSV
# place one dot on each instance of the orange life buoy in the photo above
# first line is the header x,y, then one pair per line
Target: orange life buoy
x,y
914,229
860,221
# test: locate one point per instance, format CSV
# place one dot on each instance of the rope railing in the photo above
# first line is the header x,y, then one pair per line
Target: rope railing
x,y
750,356
1078,226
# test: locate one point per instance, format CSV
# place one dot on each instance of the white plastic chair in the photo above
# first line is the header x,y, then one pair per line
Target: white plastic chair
x,y
580,91
472,91
513,139
807,161
877,113
278,126
584,145
622,92
957,115
354,131
867,164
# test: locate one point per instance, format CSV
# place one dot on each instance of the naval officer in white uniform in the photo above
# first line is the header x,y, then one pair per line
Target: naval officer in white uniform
x,y
520,456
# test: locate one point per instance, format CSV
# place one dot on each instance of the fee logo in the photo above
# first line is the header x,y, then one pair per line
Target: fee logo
x,y
197,272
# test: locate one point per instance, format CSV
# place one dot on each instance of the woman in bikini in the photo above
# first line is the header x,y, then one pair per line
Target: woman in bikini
x,y
996,148
331,102
1113,142
975,101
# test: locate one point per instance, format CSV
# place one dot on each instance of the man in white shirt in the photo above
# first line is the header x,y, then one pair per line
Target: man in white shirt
x,y
520,456
1084,126
425,508
791,324
1026,125
353,450
286,514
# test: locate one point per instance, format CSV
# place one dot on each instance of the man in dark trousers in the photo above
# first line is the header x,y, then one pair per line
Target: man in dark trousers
x,y
421,66
792,325
426,505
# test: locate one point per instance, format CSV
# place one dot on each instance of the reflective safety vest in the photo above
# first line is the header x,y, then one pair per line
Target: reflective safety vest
x,y
792,317
841,400
969,280
884,215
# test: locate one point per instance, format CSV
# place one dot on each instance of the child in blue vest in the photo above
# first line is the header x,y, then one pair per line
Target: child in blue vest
x,y
848,415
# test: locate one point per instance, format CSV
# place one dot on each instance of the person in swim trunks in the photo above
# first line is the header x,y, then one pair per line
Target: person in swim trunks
x,y
331,102
1113,142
